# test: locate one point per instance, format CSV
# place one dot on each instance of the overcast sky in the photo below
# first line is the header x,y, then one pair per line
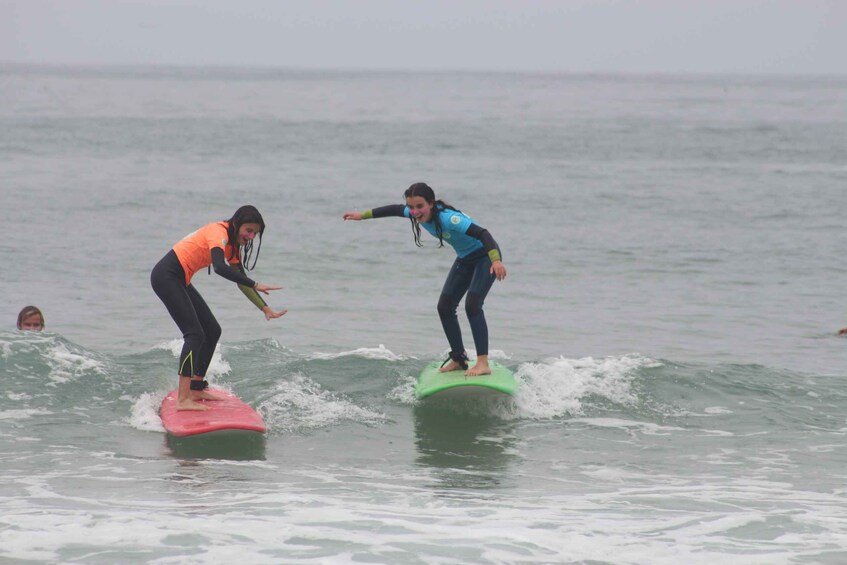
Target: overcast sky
x,y
712,36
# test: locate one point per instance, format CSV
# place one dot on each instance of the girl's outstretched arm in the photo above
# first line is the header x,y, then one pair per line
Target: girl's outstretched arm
x,y
250,288
398,210
253,295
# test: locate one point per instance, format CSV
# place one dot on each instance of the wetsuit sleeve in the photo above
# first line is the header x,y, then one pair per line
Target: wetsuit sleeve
x,y
487,240
251,293
253,296
227,272
398,210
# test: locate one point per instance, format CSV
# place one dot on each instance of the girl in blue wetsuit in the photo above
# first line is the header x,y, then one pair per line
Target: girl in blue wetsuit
x,y
476,267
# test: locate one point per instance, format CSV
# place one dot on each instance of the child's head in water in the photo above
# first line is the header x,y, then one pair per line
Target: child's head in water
x,y
31,319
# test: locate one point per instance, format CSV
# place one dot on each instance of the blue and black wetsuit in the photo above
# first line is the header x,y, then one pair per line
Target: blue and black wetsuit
x,y
470,274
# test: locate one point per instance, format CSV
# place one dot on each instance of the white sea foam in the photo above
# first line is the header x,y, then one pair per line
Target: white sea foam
x,y
66,365
404,391
379,353
334,515
22,414
145,412
558,386
300,403
15,342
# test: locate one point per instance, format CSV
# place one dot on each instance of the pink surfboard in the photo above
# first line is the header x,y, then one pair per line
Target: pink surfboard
x,y
229,414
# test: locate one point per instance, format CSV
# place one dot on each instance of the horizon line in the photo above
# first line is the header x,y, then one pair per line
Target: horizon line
x,y
254,67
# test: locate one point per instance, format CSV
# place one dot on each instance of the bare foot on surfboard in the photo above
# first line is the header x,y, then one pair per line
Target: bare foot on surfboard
x,y
478,369
205,395
451,366
190,405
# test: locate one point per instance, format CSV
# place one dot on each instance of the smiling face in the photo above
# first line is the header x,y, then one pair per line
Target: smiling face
x,y
419,208
246,232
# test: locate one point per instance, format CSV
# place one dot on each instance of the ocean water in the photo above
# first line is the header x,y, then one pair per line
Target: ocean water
x,y
675,249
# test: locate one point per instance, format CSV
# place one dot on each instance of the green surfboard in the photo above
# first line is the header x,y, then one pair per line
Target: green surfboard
x,y
456,384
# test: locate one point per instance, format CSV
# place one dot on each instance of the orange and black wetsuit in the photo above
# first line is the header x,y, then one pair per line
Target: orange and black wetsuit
x,y
171,281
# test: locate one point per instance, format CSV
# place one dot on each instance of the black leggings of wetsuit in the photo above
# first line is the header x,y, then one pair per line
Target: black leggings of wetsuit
x,y
200,330
471,275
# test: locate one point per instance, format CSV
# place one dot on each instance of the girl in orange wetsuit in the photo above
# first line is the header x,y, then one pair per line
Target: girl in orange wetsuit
x,y
212,245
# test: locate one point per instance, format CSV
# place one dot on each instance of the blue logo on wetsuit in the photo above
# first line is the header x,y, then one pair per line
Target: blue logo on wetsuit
x,y
453,225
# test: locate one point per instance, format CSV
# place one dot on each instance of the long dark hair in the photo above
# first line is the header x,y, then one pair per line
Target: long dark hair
x,y
423,190
245,215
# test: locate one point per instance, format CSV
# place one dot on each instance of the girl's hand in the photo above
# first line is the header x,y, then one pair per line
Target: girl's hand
x,y
352,216
270,314
265,288
498,269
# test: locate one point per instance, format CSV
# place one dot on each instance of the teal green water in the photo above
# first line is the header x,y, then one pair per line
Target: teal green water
x,y
675,252
742,462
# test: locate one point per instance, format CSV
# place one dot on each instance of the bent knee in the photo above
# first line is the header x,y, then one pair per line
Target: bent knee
x,y
473,305
213,332
446,305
